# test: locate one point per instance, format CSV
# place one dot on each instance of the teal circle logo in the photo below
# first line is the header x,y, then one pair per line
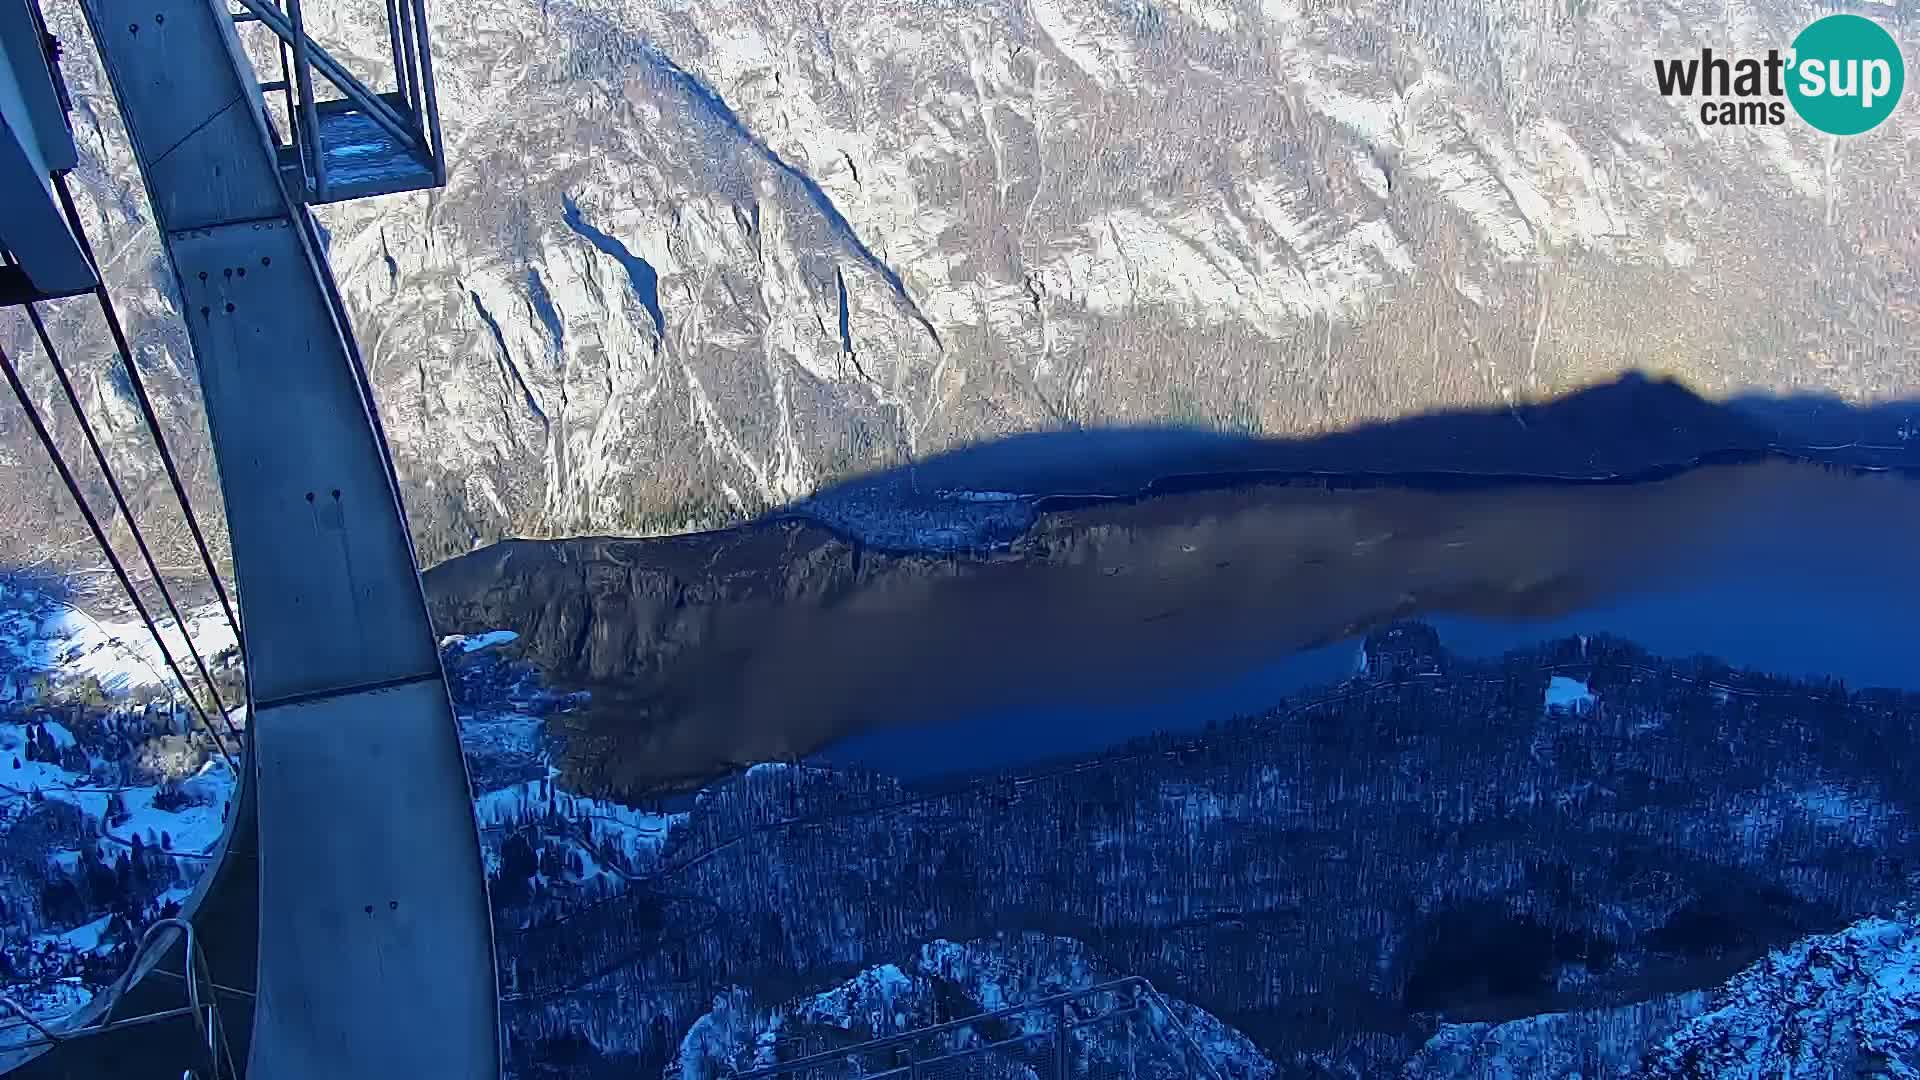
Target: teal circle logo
x,y
1847,74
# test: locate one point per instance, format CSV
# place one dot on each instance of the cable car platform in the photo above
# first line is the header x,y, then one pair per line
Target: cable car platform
x,y
358,157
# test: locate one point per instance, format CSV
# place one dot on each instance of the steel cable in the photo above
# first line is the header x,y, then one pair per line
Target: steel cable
x,y
100,537
146,409
126,512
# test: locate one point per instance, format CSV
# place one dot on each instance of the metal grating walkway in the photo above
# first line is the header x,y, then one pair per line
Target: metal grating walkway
x,y
360,158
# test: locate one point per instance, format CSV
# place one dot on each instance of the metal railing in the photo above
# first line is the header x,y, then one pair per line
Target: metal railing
x,y
1122,1028
206,1013
408,116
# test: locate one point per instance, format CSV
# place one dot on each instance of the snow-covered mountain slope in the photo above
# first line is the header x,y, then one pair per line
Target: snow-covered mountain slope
x,y
1836,1006
697,258
1839,1005
1845,1004
1435,841
547,850
112,808
112,803
45,639
947,981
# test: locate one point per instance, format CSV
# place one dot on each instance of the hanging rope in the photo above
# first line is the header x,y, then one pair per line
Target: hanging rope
x,y
146,407
126,514
100,538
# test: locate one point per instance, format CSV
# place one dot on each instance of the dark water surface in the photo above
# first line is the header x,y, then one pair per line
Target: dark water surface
x,y
1119,617
1795,571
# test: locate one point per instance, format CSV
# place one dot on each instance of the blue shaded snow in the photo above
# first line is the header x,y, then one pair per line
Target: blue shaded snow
x,y
467,643
640,273
1569,694
542,302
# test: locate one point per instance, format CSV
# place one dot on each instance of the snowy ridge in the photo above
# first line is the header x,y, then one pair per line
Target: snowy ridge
x,y
43,638
1007,970
1839,1005
878,1001
990,975
1845,1004
1550,1044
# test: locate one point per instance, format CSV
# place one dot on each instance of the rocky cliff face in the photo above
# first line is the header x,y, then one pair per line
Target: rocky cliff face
x,y
696,259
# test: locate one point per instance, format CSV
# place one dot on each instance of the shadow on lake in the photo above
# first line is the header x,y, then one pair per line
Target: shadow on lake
x,y
963,616
1784,569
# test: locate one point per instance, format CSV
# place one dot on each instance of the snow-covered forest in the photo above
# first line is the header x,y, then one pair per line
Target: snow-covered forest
x,y
1579,857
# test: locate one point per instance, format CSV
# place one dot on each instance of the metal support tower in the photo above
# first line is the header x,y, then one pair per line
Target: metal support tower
x,y
355,141
35,143
354,838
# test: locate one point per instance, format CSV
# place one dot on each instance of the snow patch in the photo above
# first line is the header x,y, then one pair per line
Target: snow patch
x,y
1102,54
467,643
639,834
1571,695
120,655
84,939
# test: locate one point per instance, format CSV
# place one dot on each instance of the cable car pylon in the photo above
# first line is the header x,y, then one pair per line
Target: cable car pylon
x,y
345,930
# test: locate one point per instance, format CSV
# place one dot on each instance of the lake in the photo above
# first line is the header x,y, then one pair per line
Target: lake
x,y
1799,571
